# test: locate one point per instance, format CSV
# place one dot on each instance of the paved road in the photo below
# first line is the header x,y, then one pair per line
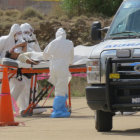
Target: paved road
x,y
79,127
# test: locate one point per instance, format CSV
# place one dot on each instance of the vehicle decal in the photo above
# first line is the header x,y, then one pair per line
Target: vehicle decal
x,y
122,45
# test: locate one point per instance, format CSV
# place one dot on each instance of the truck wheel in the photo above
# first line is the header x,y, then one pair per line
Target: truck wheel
x,y
103,121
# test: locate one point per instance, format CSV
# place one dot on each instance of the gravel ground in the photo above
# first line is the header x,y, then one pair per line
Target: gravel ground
x,y
79,127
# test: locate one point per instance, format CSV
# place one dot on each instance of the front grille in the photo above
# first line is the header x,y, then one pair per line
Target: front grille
x,y
125,68
121,67
121,92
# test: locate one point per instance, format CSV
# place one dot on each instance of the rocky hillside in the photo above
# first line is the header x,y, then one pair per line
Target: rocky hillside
x,y
77,28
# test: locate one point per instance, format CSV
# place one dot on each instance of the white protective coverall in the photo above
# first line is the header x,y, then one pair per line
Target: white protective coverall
x,y
60,52
6,43
28,36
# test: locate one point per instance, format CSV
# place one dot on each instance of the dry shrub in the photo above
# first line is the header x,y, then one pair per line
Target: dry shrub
x,y
31,13
78,85
1,13
56,11
12,13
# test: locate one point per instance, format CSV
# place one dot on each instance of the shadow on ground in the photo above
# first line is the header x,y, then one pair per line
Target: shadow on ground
x,y
128,132
48,116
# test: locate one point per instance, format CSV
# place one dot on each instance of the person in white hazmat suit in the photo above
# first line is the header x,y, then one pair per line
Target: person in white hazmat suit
x,y
30,37
6,43
32,46
60,52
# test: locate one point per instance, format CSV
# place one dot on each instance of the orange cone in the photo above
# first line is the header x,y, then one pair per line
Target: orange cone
x,y
6,111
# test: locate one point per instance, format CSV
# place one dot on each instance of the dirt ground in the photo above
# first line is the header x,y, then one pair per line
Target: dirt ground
x,y
79,127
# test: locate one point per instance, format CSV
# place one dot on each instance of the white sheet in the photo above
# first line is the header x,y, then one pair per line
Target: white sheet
x,y
81,54
11,62
38,56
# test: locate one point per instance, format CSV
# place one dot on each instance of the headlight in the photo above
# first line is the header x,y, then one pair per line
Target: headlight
x,y
93,71
136,53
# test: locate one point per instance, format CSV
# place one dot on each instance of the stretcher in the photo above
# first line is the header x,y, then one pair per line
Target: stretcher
x,y
16,68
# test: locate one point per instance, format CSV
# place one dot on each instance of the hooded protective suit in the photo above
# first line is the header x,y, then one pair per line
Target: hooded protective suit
x,y
29,36
60,52
27,32
6,43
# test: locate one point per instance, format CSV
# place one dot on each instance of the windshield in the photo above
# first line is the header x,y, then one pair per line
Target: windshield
x,y
127,20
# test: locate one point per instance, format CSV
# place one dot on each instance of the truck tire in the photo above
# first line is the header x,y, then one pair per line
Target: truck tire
x,y
103,121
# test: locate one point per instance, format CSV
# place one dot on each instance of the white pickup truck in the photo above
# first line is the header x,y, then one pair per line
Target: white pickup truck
x,y
113,68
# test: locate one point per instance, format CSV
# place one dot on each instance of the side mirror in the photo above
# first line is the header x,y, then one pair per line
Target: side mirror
x,y
105,29
96,31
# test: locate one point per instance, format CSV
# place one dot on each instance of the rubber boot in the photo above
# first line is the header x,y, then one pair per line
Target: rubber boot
x,y
59,108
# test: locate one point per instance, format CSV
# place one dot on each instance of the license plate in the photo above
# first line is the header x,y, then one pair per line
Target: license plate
x,y
114,76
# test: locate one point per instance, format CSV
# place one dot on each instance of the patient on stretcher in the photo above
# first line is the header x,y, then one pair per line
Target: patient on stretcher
x,y
24,57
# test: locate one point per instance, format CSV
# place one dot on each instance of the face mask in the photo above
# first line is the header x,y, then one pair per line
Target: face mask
x,y
19,38
27,37
33,36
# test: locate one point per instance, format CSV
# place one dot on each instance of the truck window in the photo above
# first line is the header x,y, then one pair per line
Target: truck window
x,y
133,23
127,19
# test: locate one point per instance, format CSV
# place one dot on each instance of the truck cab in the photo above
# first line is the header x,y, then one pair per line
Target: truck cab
x,y
113,68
